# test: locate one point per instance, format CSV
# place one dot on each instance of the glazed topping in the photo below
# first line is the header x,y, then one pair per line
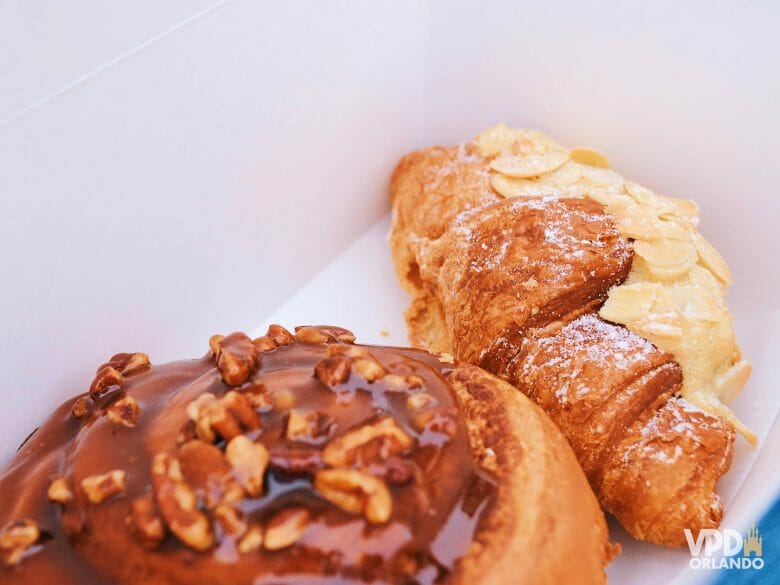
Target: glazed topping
x,y
291,458
675,295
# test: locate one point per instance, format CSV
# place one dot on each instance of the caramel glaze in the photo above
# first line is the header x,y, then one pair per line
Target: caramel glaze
x,y
435,514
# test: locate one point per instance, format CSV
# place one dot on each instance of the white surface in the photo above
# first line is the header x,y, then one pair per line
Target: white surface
x,y
173,169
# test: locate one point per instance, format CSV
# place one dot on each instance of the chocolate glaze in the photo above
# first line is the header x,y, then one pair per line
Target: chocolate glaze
x,y
436,509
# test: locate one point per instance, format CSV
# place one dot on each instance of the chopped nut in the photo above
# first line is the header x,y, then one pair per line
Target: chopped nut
x,y
236,357
206,469
59,491
308,426
298,462
264,343
241,408
355,492
249,461
251,541
81,408
332,371
369,368
394,470
214,347
123,411
379,440
437,421
129,363
16,538
310,335
145,522
178,504
285,528
99,488
231,520
283,399
420,401
414,381
346,337
399,383
106,377
280,335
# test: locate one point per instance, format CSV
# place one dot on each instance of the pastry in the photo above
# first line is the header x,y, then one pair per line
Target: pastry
x,y
298,458
597,298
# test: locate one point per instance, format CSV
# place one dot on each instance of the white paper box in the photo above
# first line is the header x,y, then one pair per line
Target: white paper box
x,y
170,173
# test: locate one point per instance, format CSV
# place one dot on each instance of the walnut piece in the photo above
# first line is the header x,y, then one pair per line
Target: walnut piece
x,y
178,504
249,461
59,491
285,528
308,426
224,417
145,522
106,377
206,469
380,440
251,541
123,411
333,371
82,408
296,462
280,335
231,520
129,363
100,488
310,335
16,538
355,492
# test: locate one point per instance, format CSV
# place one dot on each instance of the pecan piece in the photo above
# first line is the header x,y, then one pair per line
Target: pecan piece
x,y
16,538
106,377
231,520
249,461
241,408
178,504
206,469
82,407
236,357
419,401
59,491
280,335
308,426
251,541
145,522
129,363
333,371
379,440
100,488
286,528
310,335
264,343
442,421
395,471
123,411
223,416
355,492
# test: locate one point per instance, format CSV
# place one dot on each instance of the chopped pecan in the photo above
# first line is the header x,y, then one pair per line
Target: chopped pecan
x,y
380,440
399,383
231,520
296,462
106,377
264,343
283,399
420,400
251,541
145,522
355,492
59,491
129,363
241,407
280,335
308,426
332,371
442,421
123,411
249,461
16,538
82,407
310,335
285,528
414,381
206,469
178,504
369,368
236,357
99,488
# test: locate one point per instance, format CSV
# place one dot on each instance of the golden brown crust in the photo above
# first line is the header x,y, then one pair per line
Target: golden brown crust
x,y
511,285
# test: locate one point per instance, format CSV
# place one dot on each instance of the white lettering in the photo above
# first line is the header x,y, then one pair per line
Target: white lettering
x,y
732,542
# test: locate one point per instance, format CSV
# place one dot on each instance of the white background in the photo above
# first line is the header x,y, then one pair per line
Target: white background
x,y
173,169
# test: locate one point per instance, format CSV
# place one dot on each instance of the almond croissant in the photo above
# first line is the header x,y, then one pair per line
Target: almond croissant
x,y
514,285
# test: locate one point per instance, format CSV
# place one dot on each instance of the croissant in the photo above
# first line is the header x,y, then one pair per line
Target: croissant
x,y
298,458
514,249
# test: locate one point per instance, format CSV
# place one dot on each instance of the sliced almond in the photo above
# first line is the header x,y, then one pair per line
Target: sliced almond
x,y
589,156
712,260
